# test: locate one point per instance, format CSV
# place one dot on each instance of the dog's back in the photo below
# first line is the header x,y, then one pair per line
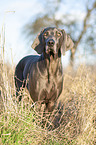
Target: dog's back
x,y
22,70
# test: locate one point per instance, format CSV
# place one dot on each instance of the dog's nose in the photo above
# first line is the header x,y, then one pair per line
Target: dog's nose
x,y
50,42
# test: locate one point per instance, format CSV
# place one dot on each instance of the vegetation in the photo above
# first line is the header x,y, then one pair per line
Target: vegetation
x,y
74,123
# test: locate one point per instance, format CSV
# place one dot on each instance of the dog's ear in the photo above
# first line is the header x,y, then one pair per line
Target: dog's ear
x,y
67,42
38,44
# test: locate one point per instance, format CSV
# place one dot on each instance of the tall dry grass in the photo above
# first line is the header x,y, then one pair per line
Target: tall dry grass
x,y
72,122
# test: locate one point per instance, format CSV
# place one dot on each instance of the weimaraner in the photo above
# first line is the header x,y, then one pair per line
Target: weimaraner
x,y
42,74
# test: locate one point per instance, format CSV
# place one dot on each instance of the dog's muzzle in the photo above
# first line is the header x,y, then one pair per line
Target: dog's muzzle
x,y
50,42
50,46
51,49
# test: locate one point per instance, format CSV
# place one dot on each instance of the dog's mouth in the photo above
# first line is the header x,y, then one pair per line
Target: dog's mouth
x,y
51,53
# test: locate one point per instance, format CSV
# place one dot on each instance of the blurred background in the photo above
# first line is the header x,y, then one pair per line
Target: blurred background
x,y
22,20
75,118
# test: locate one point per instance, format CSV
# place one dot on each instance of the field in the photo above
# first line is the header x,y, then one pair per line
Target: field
x,y
72,122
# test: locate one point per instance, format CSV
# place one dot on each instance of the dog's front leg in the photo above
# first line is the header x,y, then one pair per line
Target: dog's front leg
x,y
50,106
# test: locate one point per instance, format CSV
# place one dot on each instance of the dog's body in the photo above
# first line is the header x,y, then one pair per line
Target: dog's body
x,y
44,72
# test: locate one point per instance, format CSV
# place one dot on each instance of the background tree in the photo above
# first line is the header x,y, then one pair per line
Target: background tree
x,y
83,33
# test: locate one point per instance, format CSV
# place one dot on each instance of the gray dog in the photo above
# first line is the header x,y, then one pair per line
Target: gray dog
x,y
43,73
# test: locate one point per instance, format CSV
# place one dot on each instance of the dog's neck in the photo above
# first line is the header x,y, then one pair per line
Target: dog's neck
x,y
51,66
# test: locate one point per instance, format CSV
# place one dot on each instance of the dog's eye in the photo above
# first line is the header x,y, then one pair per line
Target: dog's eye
x,y
45,34
58,34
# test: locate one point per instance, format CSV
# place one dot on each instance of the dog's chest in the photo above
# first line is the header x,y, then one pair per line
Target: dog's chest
x,y
49,88
45,84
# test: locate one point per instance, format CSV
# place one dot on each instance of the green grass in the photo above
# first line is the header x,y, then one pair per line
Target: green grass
x,y
15,130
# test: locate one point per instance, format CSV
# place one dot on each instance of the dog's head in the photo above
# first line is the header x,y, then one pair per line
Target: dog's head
x,y
52,42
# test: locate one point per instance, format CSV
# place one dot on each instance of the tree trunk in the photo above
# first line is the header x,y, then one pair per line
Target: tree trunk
x,y
85,25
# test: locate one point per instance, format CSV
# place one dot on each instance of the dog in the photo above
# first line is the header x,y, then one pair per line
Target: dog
x,y
42,74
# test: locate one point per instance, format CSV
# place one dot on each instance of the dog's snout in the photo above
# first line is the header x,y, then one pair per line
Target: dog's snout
x,y
50,42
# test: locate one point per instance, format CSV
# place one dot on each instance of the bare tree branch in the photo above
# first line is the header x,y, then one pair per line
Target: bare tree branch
x,y
85,26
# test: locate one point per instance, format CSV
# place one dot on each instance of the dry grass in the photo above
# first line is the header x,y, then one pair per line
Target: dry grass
x,y
74,123
81,91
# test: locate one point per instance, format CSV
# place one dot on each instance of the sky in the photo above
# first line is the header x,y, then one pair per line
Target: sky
x,y
14,14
